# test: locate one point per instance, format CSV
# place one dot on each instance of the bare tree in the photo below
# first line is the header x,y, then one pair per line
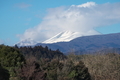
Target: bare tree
x,y
31,70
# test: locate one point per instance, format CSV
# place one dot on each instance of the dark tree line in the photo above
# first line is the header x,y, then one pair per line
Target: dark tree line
x,y
41,52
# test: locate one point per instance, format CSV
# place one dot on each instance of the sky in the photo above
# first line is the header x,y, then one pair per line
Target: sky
x,y
41,19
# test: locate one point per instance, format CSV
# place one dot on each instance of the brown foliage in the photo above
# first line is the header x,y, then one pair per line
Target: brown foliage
x,y
31,70
103,66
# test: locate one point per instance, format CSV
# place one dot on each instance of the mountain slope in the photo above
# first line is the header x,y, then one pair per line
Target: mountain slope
x,y
63,37
87,43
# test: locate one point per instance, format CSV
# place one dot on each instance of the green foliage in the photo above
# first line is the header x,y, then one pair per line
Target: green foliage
x,y
44,65
65,70
72,74
81,72
10,58
53,65
4,74
41,52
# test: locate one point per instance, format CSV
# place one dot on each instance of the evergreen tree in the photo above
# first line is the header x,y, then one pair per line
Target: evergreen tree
x,y
4,74
10,58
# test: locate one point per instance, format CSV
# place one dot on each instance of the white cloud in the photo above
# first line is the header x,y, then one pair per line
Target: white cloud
x,y
83,18
88,4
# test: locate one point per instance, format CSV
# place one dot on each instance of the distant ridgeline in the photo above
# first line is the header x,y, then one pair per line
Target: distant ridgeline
x,y
89,44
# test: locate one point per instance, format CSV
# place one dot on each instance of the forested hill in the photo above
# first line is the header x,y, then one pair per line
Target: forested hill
x,y
16,66
41,52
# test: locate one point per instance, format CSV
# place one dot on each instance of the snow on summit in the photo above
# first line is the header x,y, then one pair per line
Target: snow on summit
x,y
65,36
27,42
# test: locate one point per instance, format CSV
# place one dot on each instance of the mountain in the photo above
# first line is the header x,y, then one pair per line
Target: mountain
x,y
68,41
27,42
65,36
86,44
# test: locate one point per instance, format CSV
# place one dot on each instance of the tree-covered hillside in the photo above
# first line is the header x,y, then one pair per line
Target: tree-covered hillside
x,y
41,52
39,63
47,65
10,58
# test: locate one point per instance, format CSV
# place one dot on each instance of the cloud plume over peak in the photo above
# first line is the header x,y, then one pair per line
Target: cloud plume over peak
x,y
80,18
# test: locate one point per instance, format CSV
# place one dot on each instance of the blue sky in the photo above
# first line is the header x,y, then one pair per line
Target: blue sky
x,y
20,19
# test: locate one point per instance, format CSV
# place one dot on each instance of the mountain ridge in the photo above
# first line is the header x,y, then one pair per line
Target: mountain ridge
x,y
87,43
64,36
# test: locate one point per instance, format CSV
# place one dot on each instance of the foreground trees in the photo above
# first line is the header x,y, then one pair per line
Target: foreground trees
x,y
103,66
51,65
46,64
4,74
55,69
31,70
10,59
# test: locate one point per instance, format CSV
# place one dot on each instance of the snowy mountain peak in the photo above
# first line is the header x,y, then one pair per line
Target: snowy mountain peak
x,y
65,36
27,42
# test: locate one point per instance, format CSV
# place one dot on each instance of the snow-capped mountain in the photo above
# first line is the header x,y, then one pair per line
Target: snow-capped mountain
x,y
27,42
88,44
65,36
